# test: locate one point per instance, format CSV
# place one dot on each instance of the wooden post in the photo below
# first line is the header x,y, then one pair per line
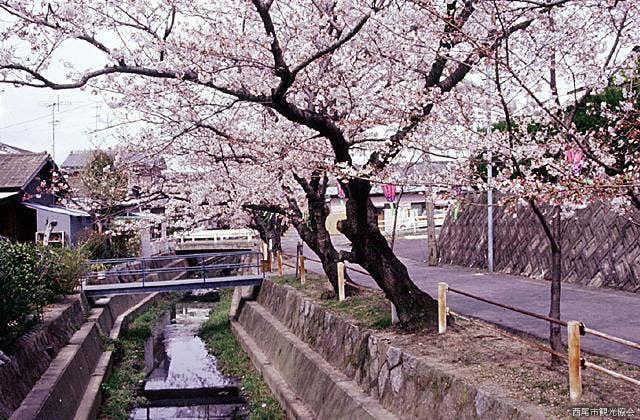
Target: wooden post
x,y
302,273
394,314
575,375
266,266
270,255
341,296
280,263
442,308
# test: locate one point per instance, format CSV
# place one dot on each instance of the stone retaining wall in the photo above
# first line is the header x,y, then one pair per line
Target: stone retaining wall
x,y
406,385
600,248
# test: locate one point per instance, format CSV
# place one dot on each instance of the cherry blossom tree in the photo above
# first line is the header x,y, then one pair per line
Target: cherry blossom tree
x,y
552,145
359,79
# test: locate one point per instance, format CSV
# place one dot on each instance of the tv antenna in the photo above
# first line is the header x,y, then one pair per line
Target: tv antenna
x,y
55,107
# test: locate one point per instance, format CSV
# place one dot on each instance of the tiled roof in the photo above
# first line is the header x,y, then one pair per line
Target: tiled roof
x,y
79,158
6,149
17,169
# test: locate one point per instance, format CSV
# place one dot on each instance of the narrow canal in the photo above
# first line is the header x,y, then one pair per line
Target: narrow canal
x,y
184,381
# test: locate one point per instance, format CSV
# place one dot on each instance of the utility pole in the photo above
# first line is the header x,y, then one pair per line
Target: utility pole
x,y
489,177
97,119
429,197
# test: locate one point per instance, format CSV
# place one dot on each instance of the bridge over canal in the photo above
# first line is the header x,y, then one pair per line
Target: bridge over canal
x,y
173,273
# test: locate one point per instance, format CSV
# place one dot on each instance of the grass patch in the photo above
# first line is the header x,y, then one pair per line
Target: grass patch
x,y
128,368
369,308
233,361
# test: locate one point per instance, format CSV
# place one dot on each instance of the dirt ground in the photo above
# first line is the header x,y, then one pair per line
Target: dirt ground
x,y
488,356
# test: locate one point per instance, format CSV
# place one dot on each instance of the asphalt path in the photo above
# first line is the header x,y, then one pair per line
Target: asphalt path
x,y
611,311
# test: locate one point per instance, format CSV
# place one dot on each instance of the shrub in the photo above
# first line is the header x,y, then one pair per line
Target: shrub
x,y
95,245
68,266
30,278
100,246
21,292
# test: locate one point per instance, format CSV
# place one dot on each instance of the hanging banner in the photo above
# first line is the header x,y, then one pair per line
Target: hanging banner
x,y
389,192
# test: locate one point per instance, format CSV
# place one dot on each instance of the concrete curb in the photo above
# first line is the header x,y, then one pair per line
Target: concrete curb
x,y
59,388
293,406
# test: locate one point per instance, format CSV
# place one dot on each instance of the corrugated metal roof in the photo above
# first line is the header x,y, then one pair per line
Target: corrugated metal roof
x,y
16,170
4,195
58,209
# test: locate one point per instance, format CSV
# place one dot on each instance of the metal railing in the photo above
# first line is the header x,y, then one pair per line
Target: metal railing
x,y
219,235
192,266
406,224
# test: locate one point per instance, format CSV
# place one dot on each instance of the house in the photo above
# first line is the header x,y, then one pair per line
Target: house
x,y
143,201
141,170
411,209
28,204
411,202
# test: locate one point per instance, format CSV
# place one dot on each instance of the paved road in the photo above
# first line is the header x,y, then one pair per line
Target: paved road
x,y
610,311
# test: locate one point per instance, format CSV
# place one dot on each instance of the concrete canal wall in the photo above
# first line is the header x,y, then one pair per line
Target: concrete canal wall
x,y
72,378
318,361
36,350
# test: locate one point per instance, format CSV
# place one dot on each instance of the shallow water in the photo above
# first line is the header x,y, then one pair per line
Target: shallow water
x,y
187,383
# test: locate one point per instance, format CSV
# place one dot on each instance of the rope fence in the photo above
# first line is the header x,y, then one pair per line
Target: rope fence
x,y
509,307
575,329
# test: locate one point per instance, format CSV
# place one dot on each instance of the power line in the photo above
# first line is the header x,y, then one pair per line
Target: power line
x,y
48,115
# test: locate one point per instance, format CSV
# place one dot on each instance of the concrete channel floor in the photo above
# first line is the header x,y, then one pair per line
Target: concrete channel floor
x,y
611,311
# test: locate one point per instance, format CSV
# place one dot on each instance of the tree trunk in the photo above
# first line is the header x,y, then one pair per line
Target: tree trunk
x,y
371,250
269,227
554,235
432,251
555,336
314,230
395,218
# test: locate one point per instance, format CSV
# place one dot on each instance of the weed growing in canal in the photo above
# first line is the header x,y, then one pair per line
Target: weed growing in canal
x,y
128,371
233,361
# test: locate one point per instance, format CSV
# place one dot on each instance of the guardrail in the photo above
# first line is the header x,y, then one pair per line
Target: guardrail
x,y
405,224
181,270
219,235
575,329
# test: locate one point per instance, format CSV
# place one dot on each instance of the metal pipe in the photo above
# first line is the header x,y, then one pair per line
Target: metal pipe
x,y
611,338
489,183
611,373
144,274
511,308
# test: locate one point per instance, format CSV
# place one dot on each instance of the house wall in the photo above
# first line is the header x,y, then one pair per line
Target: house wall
x,y
17,222
64,224
71,225
78,226
411,205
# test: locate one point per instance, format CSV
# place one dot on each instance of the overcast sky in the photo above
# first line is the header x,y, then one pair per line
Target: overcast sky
x,y
25,119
